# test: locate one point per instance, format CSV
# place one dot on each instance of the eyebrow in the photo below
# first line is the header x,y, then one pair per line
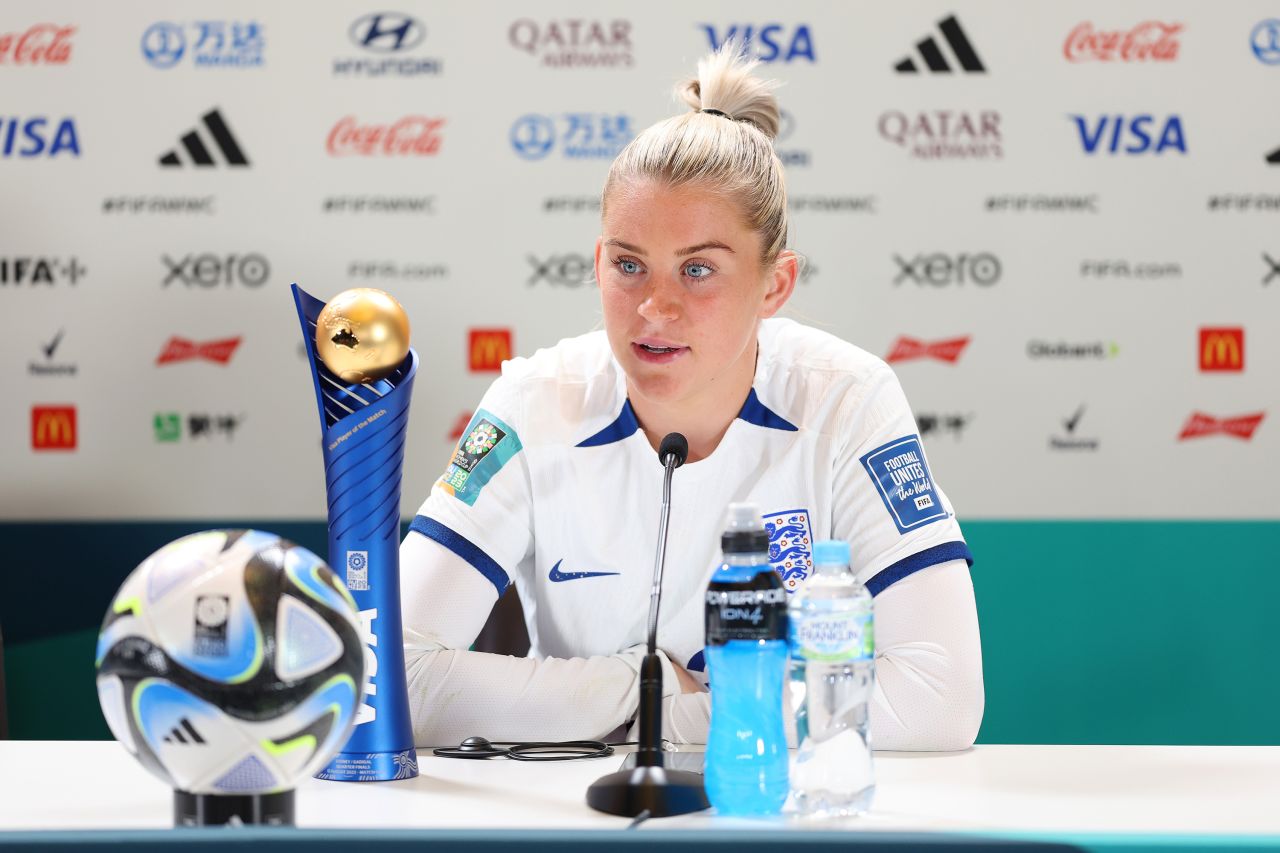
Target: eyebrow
x,y
691,250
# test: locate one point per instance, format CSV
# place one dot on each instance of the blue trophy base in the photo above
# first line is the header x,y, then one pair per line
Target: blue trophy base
x,y
371,766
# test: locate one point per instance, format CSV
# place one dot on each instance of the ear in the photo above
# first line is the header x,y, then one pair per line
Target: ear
x,y
780,283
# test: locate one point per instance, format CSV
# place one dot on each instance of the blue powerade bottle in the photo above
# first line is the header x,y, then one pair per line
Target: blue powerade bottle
x,y
746,764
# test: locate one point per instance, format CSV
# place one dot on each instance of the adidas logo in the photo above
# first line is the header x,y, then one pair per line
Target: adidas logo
x,y
198,152
934,58
184,733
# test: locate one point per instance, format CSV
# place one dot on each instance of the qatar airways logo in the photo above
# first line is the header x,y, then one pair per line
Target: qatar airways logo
x,y
945,134
1149,41
411,136
41,44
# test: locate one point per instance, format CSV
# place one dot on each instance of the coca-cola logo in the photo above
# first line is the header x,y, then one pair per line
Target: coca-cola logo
x,y
412,135
41,44
1152,41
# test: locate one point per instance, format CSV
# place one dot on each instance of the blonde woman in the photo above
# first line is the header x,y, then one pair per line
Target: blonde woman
x,y
555,484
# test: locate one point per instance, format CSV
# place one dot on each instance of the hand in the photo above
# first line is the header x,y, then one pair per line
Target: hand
x,y
688,684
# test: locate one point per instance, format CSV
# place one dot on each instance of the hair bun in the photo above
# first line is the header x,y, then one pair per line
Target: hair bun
x,y
725,83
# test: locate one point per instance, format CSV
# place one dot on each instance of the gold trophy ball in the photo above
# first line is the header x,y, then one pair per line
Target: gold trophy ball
x,y
362,334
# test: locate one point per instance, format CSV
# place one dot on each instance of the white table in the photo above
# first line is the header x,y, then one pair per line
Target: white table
x,y
1025,791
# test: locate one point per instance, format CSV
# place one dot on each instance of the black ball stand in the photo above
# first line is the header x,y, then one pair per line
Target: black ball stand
x,y
232,809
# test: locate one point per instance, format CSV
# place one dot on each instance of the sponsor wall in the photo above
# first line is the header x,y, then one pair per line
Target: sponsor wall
x,y
1059,224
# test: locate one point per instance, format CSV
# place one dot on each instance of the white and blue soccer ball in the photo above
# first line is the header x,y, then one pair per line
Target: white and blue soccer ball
x,y
231,662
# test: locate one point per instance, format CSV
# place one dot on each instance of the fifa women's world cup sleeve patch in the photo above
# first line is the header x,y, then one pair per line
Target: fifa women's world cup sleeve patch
x,y
901,476
486,446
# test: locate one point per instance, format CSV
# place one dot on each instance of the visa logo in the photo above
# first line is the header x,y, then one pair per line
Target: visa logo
x,y
765,42
36,136
1135,135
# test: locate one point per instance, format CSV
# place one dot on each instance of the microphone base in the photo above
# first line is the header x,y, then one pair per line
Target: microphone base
x,y
657,790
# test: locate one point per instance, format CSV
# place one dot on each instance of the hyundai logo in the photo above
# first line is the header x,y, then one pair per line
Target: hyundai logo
x,y
387,32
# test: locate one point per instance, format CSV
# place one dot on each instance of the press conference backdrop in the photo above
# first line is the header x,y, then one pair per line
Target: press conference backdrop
x,y
1059,223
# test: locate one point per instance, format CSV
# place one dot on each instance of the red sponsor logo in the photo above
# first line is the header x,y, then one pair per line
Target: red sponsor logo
x,y
53,427
905,349
459,426
412,135
1199,425
488,348
1222,350
181,349
1151,40
47,44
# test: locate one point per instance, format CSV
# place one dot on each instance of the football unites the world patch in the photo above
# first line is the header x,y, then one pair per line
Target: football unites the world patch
x,y
902,478
790,546
486,445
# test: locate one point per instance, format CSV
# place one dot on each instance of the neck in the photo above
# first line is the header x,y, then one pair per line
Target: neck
x,y
703,420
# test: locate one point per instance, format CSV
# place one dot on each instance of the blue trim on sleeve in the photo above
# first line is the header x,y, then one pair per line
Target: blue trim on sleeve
x,y
944,553
755,412
623,427
464,548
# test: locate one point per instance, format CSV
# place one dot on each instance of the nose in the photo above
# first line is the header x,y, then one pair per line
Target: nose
x,y
661,302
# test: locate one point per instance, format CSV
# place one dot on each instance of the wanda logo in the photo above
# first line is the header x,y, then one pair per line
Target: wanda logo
x,y
410,136
42,44
1152,41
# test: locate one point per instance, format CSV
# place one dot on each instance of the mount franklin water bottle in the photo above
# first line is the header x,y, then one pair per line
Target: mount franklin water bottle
x,y
746,618
832,675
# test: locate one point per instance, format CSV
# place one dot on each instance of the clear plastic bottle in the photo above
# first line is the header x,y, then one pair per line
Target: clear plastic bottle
x,y
746,620
832,676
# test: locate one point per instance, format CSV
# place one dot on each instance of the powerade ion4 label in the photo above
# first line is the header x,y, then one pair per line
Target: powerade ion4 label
x,y
833,637
745,614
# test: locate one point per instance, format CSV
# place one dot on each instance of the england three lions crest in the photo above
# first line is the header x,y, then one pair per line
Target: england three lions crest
x,y
790,546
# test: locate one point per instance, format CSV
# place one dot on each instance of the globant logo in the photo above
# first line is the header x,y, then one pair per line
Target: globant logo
x,y
1134,135
209,44
38,137
417,136
41,44
944,134
1065,351
389,35
770,42
1152,41
577,136
574,43
1265,41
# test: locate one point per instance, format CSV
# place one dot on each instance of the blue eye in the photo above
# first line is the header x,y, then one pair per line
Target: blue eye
x,y
697,270
627,267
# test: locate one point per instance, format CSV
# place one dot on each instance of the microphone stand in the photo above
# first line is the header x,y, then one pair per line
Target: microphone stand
x,y
649,786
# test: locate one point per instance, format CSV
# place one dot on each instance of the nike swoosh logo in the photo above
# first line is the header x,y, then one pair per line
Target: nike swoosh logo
x,y
558,576
49,350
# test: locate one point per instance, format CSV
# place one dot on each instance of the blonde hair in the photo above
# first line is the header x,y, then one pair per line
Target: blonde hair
x,y
729,150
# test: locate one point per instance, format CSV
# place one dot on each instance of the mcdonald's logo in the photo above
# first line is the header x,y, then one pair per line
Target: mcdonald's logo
x,y
1222,350
488,348
53,427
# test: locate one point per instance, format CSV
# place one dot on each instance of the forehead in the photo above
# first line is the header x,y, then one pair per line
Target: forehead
x,y
654,214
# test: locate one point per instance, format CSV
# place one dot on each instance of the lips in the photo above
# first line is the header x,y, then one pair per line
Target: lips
x,y
657,351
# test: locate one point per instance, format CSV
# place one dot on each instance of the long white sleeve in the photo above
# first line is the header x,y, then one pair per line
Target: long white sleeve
x,y
929,692
454,694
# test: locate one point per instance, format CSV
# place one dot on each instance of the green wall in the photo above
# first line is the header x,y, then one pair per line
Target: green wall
x,y
1092,632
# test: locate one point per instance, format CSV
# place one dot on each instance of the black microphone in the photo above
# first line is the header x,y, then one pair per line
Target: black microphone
x,y
649,787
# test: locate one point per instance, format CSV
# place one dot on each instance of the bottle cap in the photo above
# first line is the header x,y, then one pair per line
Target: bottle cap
x,y
744,530
831,552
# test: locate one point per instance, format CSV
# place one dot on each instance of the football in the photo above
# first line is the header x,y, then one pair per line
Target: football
x,y
231,662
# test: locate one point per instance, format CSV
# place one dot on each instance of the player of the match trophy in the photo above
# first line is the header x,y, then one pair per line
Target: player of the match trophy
x,y
363,370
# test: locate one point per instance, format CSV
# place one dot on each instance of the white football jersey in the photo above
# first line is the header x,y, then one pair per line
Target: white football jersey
x,y
554,488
